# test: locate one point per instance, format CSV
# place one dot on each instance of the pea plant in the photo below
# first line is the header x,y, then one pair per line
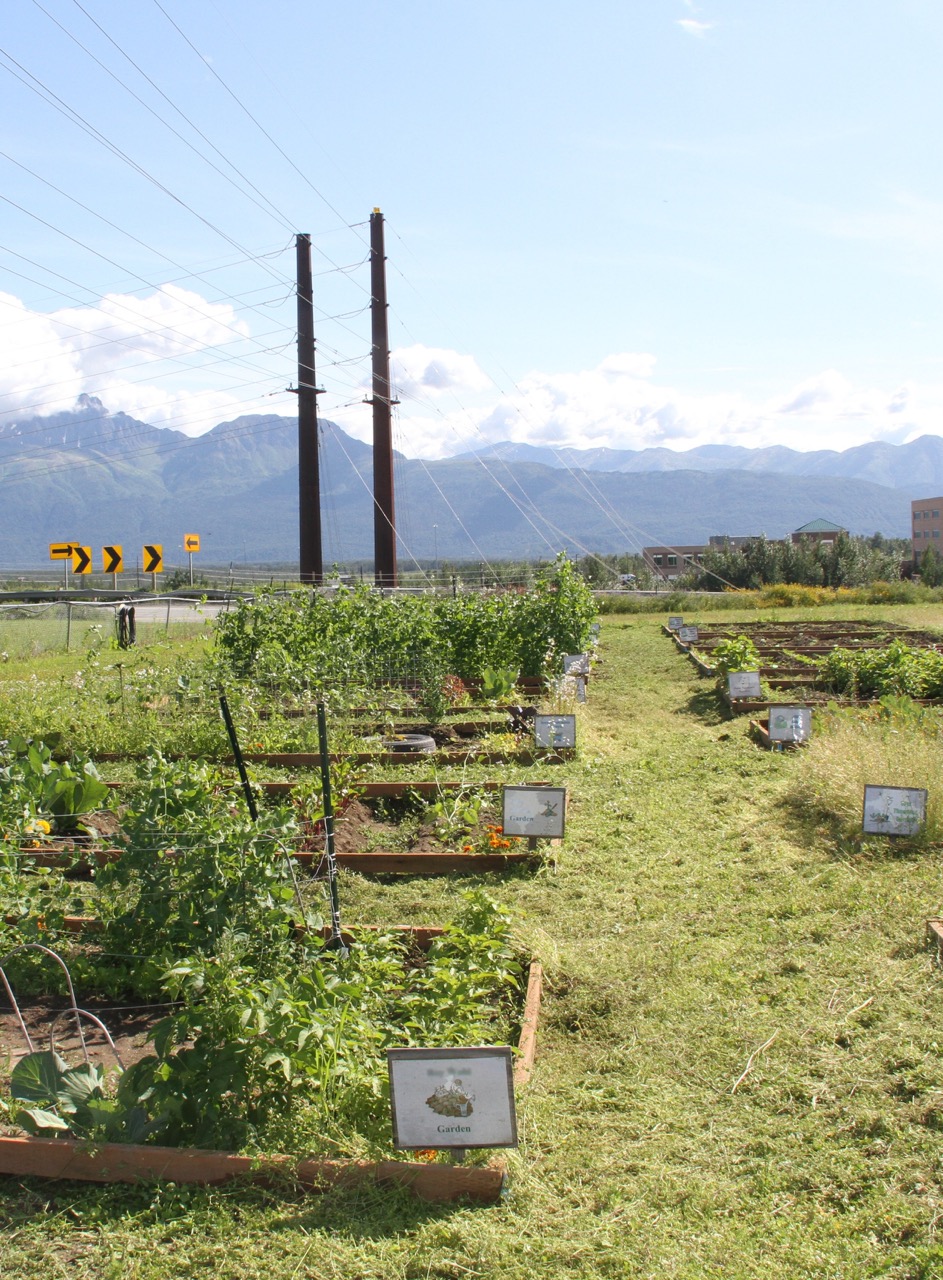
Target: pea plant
x,y
307,643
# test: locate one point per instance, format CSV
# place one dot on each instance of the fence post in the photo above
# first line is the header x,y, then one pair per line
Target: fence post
x,y
68,624
167,623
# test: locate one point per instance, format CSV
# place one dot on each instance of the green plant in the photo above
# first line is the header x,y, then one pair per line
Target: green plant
x,y
498,685
37,786
75,1101
195,868
738,654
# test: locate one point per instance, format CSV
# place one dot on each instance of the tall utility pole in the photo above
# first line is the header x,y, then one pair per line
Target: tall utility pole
x,y
309,487
384,516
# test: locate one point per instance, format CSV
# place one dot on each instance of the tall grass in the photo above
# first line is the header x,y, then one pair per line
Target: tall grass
x,y
776,596
899,744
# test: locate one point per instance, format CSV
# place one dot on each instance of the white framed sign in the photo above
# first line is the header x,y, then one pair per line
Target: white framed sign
x,y
555,731
744,684
688,635
894,811
452,1097
790,724
534,811
675,623
576,664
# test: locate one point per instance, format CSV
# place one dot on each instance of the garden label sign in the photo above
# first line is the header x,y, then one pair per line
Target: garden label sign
x,y
790,724
743,684
534,811
576,664
555,731
675,623
452,1097
894,811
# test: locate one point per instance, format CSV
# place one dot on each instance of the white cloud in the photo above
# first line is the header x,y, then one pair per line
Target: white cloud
x,y
694,27
139,355
163,359
420,371
620,404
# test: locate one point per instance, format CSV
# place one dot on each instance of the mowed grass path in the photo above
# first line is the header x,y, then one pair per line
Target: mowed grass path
x,y
739,1069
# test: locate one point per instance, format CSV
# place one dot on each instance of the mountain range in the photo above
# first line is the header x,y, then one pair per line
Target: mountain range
x,y
95,477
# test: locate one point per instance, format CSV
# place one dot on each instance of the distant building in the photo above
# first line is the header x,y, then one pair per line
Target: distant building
x,y
925,526
818,531
672,562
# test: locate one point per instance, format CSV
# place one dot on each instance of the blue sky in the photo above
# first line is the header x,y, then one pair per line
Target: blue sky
x,y
664,222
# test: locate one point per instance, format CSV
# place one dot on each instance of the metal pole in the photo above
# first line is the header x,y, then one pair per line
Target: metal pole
x,y
68,624
384,515
309,492
237,754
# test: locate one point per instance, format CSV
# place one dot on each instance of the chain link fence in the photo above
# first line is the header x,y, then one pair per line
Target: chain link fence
x,y
60,626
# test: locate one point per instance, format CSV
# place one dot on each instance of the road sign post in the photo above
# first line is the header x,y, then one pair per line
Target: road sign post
x,y
62,551
191,544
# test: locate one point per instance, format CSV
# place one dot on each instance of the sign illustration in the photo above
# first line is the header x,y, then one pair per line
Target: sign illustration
x,y
534,811
452,1097
555,731
790,724
894,811
744,684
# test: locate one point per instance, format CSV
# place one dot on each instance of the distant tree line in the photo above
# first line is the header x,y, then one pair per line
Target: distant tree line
x,y
845,562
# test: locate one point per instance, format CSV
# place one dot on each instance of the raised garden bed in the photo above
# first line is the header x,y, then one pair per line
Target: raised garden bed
x,y
68,1158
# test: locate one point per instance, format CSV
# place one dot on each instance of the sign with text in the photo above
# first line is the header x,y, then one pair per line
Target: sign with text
x,y
894,811
534,811
744,684
675,623
452,1098
790,724
555,731
687,635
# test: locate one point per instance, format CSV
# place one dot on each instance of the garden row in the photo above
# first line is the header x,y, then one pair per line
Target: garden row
x,y
816,662
287,1025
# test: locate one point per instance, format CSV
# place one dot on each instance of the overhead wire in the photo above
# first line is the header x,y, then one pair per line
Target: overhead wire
x,y
207,65
35,85
264,204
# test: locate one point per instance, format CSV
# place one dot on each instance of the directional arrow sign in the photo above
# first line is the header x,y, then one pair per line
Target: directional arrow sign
x,y
154,559
60,550
112,561
191,542
81,559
